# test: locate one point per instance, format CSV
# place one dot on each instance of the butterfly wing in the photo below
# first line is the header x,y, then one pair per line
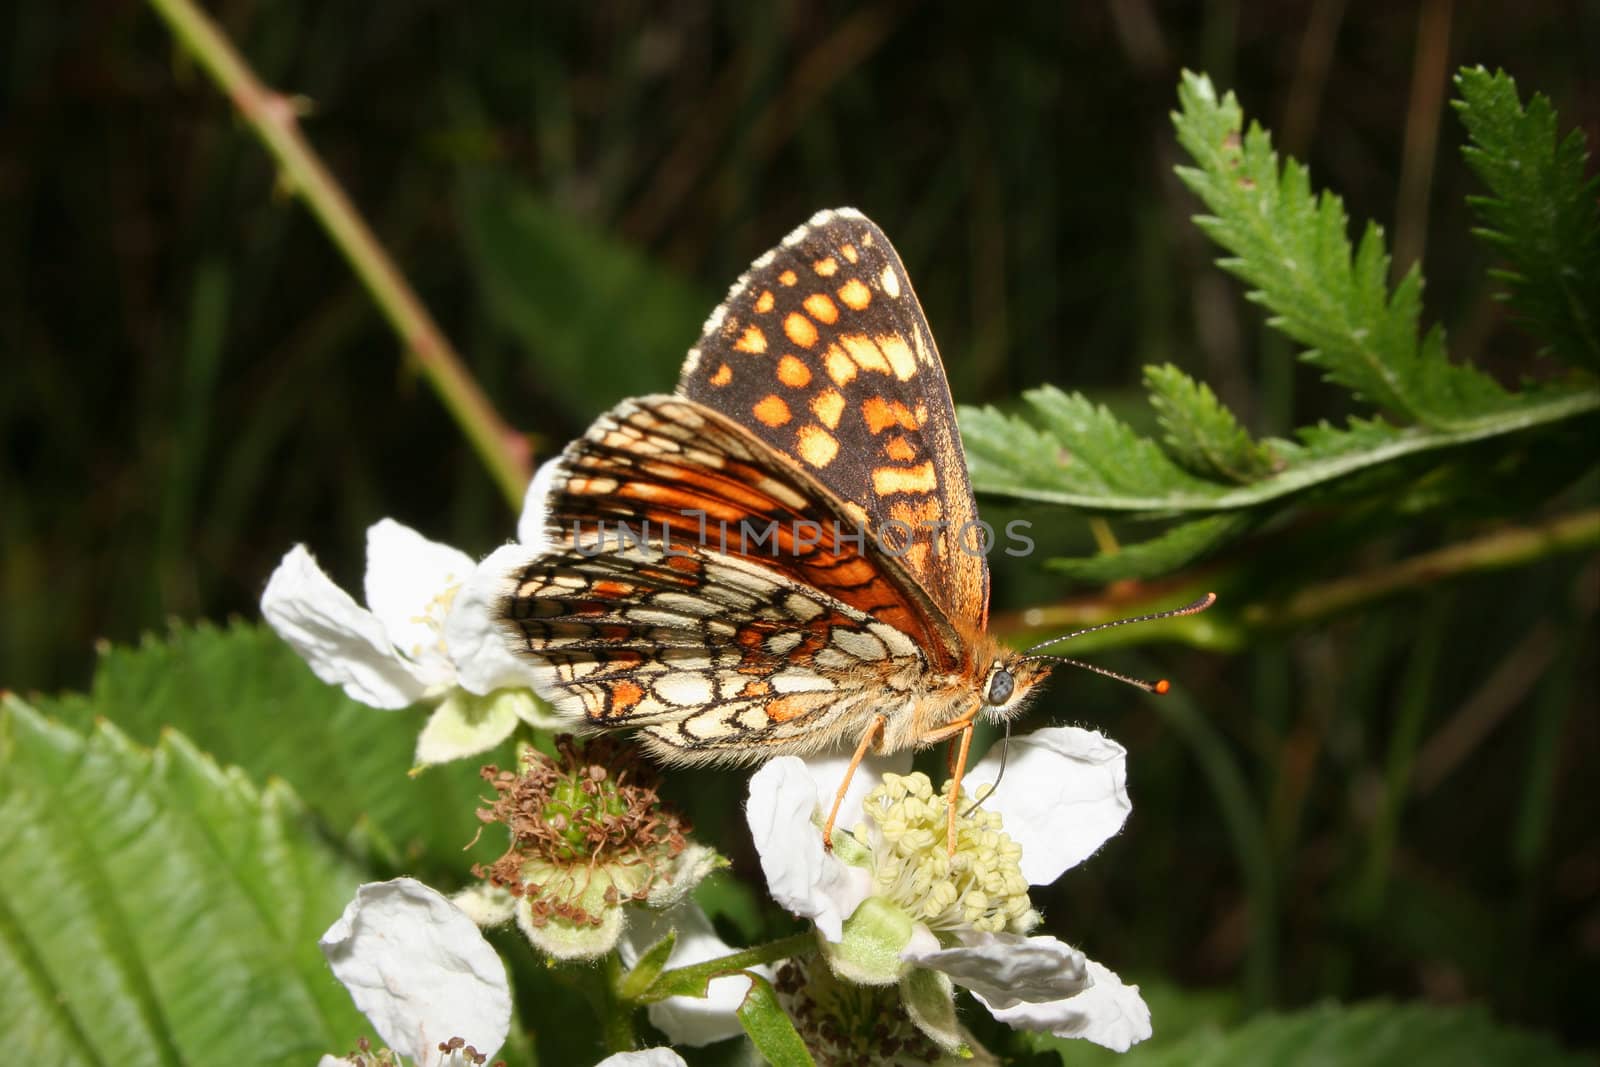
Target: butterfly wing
x,y
644,610
822,351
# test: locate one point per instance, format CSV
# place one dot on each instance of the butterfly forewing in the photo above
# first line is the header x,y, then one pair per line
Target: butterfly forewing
x,y
822,352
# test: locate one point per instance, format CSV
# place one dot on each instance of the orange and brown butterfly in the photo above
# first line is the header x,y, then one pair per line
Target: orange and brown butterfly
x,y
782,557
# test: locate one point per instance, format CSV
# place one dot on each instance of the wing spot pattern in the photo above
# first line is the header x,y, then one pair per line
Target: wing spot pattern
x,y
723,376
771,410
752,340
816,445
919,479
855,294
821,308
800,329
827,266
828,406
793,373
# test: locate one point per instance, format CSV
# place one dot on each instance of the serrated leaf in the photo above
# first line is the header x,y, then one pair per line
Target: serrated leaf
x,y
1163,554
1544,214
578,299
769,1028
1291,247
1201,434
155,908
244,696
1375,1035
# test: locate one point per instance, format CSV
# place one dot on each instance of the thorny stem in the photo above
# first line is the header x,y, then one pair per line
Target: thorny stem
x,y
1508,546
272,116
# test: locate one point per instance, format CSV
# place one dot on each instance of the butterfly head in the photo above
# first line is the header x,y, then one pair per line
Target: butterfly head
x,y
1009,683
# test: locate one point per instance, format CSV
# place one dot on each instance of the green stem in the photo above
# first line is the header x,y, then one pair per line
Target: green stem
x,y
691,981
272,116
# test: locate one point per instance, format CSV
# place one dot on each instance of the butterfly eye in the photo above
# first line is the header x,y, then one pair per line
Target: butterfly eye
x,y
1001,686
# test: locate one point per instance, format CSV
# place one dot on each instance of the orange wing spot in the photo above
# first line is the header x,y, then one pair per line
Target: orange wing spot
x,y
899,449
840,369
793,373
615,632
899,355
684,564
607,589
882,414
625,695
752,340
816,445
914,515
785,708
821,308
827,266
918,479
799,329
755,689
771,410
855,294
865,353
625,657
827,407
723,376
788,277
850,252
764,302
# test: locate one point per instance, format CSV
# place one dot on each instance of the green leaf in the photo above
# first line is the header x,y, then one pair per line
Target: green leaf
x,y
769,1027
1290,246
155,908
648,968
1376,1035
1007,454
1543,216
244,696
1201,434
1175,548
578,299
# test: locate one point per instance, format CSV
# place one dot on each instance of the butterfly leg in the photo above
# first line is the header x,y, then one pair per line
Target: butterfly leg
x,y
961,747
874,732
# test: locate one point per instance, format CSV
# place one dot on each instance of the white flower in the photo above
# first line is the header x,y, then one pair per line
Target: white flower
x,y
392,654
420,971
888,900
645,1057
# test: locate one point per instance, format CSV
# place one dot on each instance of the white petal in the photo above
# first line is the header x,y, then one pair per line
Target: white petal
x,y
1064,795
535,507
1107,1013
688,1020
645,1057
419,970
345,644
410,581
829,771
801,875
480,649
1006,969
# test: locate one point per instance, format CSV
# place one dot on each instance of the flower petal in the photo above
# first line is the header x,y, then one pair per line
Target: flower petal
x,y
535,510
464,725
479,648
645,1057
1007,969
829,771
410,582
485,904
1108,1013
344,644
419,970
1064,795
801,874
688,1020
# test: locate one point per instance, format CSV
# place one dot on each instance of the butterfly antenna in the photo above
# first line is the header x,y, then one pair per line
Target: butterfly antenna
x,y
1157,687
1005,751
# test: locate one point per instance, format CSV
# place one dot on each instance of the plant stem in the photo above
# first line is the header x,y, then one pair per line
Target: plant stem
x,y
272,116
691,981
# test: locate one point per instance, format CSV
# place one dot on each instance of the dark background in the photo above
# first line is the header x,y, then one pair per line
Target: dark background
x,y
194,381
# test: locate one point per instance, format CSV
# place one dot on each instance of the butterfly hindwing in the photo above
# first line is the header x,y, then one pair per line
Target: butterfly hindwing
x,y
822,352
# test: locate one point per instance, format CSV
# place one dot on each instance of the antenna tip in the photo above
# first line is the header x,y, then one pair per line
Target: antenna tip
x,y
1161,687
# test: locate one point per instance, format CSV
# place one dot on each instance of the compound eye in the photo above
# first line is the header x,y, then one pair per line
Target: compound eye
x,y
1001,686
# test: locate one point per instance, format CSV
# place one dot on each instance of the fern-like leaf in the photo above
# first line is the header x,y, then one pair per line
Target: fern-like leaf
x,y
1543,216
1291,247
1201,434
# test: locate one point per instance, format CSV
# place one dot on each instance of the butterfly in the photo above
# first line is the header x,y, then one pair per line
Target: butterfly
x,y
783,556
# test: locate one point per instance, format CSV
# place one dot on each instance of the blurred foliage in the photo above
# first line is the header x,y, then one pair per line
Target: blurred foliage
x,y
1391,804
